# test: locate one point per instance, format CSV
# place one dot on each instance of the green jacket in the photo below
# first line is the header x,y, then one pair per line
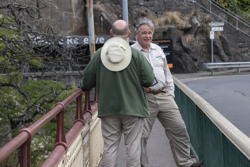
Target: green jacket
x,y
119,93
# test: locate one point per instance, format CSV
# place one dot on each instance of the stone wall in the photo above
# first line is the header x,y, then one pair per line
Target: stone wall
x,y
186,25
67,17
181,21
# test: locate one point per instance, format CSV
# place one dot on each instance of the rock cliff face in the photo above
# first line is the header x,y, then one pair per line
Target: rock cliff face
x,y
183,23
180,21
67,17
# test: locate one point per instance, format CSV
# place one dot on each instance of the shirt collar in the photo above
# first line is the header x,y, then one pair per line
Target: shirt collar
x,y
152,46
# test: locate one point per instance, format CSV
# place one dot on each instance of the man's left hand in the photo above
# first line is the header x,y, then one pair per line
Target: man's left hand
x,y
158,91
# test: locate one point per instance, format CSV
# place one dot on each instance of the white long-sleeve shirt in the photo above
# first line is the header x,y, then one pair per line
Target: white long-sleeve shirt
x,y
158,61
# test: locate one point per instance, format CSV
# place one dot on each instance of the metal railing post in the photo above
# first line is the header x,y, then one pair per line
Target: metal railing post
x,y
212,50
24,154
79,111
87,107
125,10
60,135
91,26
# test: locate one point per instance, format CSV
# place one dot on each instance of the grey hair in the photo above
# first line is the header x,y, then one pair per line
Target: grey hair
x,y
144,21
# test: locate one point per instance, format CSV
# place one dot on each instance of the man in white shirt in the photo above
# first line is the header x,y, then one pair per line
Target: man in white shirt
x,y
161,100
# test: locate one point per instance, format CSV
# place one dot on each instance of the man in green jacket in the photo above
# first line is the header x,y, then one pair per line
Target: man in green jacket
x,y
120,74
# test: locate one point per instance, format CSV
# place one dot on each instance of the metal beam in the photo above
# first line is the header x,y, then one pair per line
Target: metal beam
x,y
125,10
91,27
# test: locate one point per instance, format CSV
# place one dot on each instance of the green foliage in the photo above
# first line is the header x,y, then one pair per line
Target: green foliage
x,y
43,142
41,90
15,51
23,101
241,7
40,97
8,30
30,101
244,5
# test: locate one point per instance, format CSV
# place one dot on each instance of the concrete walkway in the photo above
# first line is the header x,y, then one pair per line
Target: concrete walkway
x,y
159,149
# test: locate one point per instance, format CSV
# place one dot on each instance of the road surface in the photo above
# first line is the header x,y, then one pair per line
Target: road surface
x,y
159,151
230,95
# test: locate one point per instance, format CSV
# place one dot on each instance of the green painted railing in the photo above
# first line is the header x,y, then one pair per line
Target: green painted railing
x,y
216,141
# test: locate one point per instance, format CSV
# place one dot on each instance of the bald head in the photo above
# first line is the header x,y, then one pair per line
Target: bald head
x,y
120,28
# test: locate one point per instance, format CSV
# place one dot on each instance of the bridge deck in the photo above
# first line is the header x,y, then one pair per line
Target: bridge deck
x,y
159,149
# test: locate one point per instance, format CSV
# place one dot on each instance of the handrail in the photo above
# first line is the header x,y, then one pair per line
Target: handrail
x,y
231,13
236,17
58,152
224,65
23,139
209,66
239,139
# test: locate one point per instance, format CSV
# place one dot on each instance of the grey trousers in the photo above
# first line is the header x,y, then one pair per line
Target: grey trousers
x,y
164,107
112,129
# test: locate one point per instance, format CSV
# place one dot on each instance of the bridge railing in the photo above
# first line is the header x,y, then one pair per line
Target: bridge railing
x,y
23,140
215,140
224,65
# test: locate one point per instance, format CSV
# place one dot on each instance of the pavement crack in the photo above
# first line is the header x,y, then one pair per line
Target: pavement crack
x,y
242,93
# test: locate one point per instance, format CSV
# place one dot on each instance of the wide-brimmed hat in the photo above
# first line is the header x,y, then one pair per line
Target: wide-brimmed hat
x,y
116,54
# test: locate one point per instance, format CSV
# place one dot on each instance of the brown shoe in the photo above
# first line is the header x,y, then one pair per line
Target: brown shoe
x,y
197,164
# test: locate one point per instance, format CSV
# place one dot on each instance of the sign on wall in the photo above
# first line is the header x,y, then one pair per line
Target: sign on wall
x,y
83,40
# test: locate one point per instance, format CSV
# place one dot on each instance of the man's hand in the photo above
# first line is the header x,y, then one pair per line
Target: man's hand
x,y
158,91
149,90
